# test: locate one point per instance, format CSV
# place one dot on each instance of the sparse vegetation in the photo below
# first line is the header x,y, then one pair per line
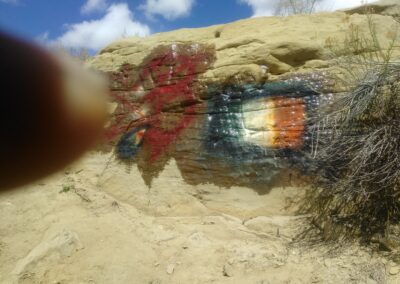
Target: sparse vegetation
x,y
288,7
357,181
66,188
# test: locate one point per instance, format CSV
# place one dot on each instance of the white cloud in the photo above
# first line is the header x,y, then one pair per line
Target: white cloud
x,y
94,6
339,4
261,7
169,9
117,23
267,7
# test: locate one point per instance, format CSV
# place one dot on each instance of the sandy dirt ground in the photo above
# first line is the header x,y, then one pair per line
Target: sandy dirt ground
x,y
97,222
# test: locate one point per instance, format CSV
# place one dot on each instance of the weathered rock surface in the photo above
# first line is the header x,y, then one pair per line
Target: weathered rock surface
x,y
61,244
232,104
283,44
119,231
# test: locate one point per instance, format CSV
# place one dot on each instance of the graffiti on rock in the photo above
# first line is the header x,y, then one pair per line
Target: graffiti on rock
x,y
164,84
228,134
130,142
258,130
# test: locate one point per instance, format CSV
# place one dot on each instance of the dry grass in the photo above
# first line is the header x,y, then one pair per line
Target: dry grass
x,y
356,189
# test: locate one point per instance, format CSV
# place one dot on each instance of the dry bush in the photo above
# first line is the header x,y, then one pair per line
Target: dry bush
x,y
356,189
289,7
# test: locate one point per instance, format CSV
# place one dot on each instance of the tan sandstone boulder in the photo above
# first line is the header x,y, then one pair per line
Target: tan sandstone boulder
x,y
283,44
233,104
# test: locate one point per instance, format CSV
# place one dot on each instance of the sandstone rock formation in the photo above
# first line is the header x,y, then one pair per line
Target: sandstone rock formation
x,y
232,104
174,96
283,44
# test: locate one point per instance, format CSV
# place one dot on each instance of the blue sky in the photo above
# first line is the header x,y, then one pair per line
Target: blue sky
x,y
93,24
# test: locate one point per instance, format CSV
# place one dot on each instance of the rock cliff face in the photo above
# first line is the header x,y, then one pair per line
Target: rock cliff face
x,y
232,104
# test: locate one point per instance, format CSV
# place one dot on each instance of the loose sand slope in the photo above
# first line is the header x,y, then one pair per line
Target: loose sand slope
x,y
108,227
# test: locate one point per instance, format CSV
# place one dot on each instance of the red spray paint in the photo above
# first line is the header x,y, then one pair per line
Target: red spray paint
x,y
167,77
